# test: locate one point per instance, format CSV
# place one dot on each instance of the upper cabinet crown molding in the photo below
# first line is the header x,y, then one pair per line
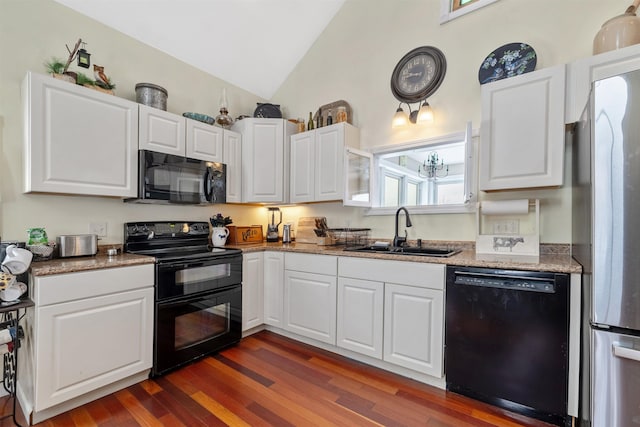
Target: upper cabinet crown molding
x,y
70,129
522,132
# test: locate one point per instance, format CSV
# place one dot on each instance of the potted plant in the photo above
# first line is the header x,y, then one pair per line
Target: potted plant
x,y
219,231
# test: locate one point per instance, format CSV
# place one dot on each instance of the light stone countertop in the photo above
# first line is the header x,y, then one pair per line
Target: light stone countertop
x,y
72,265
560,262
556,262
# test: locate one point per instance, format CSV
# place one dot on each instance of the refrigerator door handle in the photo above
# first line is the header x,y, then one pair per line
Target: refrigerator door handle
x,y
625,352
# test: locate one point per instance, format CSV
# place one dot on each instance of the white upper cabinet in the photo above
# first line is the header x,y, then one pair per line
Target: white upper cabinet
x,y
170,133
69,130
317,162
204,142
522,132
265,151
161,131
585,71
232,157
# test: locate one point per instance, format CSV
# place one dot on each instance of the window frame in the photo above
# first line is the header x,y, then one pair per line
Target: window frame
x,y
470,182
449,13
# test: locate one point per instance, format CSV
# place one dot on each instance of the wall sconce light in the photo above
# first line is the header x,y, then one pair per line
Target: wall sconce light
x,y
423,115
431,169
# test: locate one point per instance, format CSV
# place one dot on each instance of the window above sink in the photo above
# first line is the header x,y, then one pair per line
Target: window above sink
x,y
433,175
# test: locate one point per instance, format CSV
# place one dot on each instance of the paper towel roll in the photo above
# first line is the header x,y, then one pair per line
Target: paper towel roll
x,y
505,207
5,336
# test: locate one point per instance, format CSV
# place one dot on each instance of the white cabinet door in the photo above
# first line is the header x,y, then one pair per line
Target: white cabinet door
x,y
302,188
232,157
89,343
317,162
329,154
273,288
203,141
360,314
310,305
161,131
413,328
358,180
522,131
264,155
252,290
69,130
585,71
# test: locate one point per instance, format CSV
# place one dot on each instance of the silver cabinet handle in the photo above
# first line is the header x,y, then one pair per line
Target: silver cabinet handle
x,y
627,353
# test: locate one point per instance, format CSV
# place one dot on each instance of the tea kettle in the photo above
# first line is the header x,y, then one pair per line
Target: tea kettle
x,y
618,32
272,227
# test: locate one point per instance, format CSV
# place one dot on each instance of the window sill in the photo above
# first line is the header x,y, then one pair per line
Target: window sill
x,y
444,209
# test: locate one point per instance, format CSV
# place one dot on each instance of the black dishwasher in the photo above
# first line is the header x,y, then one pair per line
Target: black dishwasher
x,y
506,339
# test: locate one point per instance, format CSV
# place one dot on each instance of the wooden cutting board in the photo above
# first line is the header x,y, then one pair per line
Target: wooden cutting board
x,y
304,232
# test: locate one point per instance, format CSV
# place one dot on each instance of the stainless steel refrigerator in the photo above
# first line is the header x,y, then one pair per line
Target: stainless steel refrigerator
x,y
606,241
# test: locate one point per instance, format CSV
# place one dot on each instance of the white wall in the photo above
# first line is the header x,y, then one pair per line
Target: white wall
x,y
352,60
33,31
355,56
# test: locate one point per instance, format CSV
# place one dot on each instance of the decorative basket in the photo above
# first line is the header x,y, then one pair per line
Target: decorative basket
x,y
41,252
350,237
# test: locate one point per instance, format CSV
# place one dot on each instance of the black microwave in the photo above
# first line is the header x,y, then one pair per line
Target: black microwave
x,y
167,178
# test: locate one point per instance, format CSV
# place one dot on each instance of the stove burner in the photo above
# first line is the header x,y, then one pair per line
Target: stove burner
x,y
172,241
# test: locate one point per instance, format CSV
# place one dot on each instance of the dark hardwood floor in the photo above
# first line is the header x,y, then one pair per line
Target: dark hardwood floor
x,y
270,380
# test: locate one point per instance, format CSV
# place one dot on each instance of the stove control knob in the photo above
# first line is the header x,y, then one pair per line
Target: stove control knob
x,y
133,229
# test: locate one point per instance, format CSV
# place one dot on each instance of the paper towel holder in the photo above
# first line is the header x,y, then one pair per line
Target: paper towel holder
x,y
509,245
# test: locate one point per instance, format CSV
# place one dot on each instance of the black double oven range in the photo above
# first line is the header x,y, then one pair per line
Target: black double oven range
x,y
198,290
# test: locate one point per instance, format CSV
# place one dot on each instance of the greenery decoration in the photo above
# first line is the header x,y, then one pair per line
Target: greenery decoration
x,y
220,221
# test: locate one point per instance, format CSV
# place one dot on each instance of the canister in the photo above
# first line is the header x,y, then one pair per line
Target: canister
x,y
152,95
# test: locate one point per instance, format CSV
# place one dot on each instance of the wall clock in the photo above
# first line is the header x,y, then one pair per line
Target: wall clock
x,y
418,74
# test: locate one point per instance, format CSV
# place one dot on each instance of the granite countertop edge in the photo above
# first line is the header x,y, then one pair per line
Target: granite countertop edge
x,y
552,262
87,263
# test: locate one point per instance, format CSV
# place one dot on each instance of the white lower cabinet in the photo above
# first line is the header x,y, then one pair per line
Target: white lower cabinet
x,y
252,290
273,288
90,329
360,315
394,311
413,328
310,284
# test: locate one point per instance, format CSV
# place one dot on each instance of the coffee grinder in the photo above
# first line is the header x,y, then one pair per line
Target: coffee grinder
x,y
272,227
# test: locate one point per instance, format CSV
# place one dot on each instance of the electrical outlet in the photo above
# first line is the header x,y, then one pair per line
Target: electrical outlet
x,y
99,228
506,226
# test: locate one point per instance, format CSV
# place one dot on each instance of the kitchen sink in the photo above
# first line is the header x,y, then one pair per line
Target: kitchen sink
x,y
406,250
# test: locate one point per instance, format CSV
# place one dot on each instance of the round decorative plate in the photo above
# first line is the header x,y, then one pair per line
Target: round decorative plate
x,y
509,60
268,111
200,117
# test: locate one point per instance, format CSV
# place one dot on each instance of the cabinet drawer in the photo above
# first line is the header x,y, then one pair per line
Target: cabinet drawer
x,y
85,284
419,274
319,264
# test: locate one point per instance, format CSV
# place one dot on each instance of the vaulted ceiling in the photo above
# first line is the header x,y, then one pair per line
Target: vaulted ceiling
x,y
253,44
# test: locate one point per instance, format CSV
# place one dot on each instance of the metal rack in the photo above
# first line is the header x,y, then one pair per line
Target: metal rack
x,y
10,318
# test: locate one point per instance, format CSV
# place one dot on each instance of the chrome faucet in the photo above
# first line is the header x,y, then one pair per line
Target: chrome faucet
x,y
397,240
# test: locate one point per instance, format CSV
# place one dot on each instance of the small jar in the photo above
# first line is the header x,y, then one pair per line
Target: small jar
x,y
341,115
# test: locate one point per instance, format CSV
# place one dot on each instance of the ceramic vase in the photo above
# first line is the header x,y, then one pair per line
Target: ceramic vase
x,y
219,236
